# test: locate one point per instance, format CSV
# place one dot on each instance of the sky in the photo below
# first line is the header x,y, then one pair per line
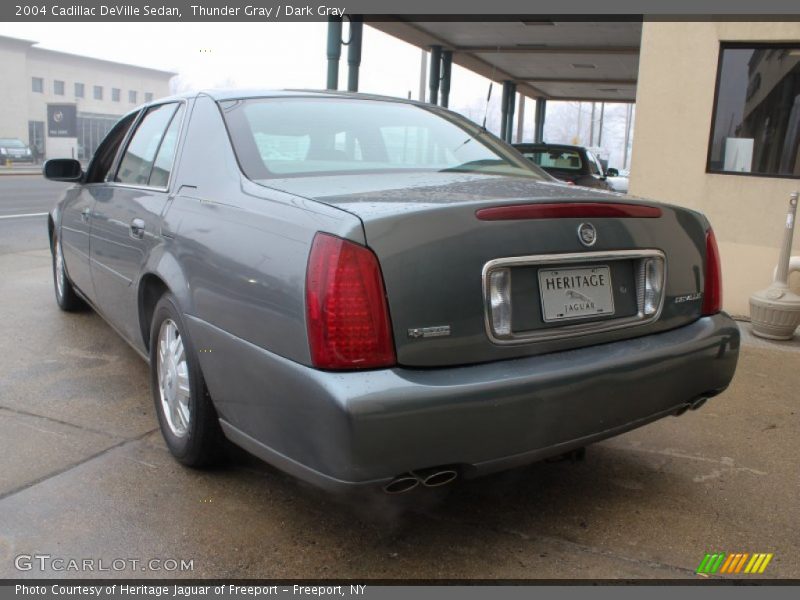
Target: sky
x,y
293,55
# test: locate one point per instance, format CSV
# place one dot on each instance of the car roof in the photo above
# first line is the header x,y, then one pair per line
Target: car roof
x,y
220,95
238,94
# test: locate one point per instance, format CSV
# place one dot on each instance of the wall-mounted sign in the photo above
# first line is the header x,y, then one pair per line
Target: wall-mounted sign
x,y
62,120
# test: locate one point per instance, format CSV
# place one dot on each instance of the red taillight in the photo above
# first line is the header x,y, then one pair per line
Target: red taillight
x,y
712,294
346,310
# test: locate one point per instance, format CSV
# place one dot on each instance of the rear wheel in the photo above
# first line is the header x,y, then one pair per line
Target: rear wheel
x,y
186,414
66,297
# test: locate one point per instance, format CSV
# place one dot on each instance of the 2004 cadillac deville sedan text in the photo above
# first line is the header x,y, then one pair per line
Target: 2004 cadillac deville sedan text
x,y
364,291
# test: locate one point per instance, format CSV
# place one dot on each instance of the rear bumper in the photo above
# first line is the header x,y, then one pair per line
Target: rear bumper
x,y
339,430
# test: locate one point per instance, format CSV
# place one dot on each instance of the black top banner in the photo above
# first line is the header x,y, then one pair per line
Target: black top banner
x,y
318,10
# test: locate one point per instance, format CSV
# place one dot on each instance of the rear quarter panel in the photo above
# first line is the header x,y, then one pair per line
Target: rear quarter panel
x,y
237,252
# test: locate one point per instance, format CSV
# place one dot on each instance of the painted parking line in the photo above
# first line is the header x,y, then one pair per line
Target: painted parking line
x,y
42,214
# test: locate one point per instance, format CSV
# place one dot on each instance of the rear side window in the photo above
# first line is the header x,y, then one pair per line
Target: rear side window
x,y
140,155
159,176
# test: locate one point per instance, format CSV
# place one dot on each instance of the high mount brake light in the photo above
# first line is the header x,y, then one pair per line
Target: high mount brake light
x,y
567,210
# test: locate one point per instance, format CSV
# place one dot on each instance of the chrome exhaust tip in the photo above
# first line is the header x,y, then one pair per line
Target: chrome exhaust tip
x,y
432,478
439,478
682,409
401,484
698,402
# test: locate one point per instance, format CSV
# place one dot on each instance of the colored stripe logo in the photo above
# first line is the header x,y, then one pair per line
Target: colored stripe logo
x,y
734,563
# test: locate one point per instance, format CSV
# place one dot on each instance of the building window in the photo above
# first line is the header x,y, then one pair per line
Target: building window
x,y
79,90
756,120
148,96
37,85
98,92
115,94
132,96
58,87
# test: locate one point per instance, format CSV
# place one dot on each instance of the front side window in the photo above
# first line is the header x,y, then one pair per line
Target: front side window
x,y
137,163
286,137
103,159
756,121
98,92
37,85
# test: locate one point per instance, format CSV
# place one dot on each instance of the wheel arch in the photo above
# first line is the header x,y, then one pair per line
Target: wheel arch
x,y
165,276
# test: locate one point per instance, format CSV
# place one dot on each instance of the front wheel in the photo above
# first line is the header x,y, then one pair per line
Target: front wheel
x,y
66,297
186,415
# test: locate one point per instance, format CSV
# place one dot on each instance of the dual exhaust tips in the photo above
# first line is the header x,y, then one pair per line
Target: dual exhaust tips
x,y
435,477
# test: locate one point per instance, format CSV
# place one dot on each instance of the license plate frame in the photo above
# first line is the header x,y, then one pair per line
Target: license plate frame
x,y
577,299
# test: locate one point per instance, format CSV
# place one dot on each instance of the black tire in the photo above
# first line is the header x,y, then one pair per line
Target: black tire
x,y
66,297
202,443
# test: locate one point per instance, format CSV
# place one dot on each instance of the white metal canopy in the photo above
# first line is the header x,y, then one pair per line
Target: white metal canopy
x,y
555,60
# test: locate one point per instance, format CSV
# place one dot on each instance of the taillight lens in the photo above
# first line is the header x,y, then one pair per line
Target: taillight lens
x,y
712,294
346,311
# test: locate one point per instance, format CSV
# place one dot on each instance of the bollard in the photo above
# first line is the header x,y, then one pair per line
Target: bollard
x,y
775,311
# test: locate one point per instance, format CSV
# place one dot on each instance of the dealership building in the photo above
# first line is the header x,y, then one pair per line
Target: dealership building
x,y
62,104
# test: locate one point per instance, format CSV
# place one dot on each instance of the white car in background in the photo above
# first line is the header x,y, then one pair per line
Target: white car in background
x,y
618,180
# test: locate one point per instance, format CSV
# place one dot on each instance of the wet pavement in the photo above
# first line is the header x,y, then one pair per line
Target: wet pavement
x,y
84,475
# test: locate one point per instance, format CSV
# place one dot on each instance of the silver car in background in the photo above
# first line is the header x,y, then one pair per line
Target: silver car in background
x,y
365,291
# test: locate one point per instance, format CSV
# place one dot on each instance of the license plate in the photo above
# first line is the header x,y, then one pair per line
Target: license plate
x,y
575,293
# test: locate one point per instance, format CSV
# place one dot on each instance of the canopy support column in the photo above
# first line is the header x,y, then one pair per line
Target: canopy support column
x,y
334,51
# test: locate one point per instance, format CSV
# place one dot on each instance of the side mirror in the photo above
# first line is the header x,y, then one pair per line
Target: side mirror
x,y
612,172
62,169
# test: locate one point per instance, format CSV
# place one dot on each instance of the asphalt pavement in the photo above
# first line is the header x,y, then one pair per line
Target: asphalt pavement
x,y
84,473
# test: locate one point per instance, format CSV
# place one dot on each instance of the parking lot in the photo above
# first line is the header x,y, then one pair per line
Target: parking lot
x,y
84,474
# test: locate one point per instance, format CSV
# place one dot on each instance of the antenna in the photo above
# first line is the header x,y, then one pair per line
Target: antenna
x,y
486,111
489,95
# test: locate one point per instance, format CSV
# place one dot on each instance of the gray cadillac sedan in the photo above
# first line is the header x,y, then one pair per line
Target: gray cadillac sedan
x,y
365,291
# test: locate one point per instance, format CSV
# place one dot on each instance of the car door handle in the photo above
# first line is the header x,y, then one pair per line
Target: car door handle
x,y
86,213
137,228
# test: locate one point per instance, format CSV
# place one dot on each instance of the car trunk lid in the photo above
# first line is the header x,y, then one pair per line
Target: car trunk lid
x,y
436,251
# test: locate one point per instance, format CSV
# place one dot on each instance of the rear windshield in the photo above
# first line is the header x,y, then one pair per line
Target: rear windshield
x,y
11,143
563,160
293,137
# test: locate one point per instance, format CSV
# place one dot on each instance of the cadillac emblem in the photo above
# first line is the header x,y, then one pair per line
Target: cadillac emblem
x,y
587,234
